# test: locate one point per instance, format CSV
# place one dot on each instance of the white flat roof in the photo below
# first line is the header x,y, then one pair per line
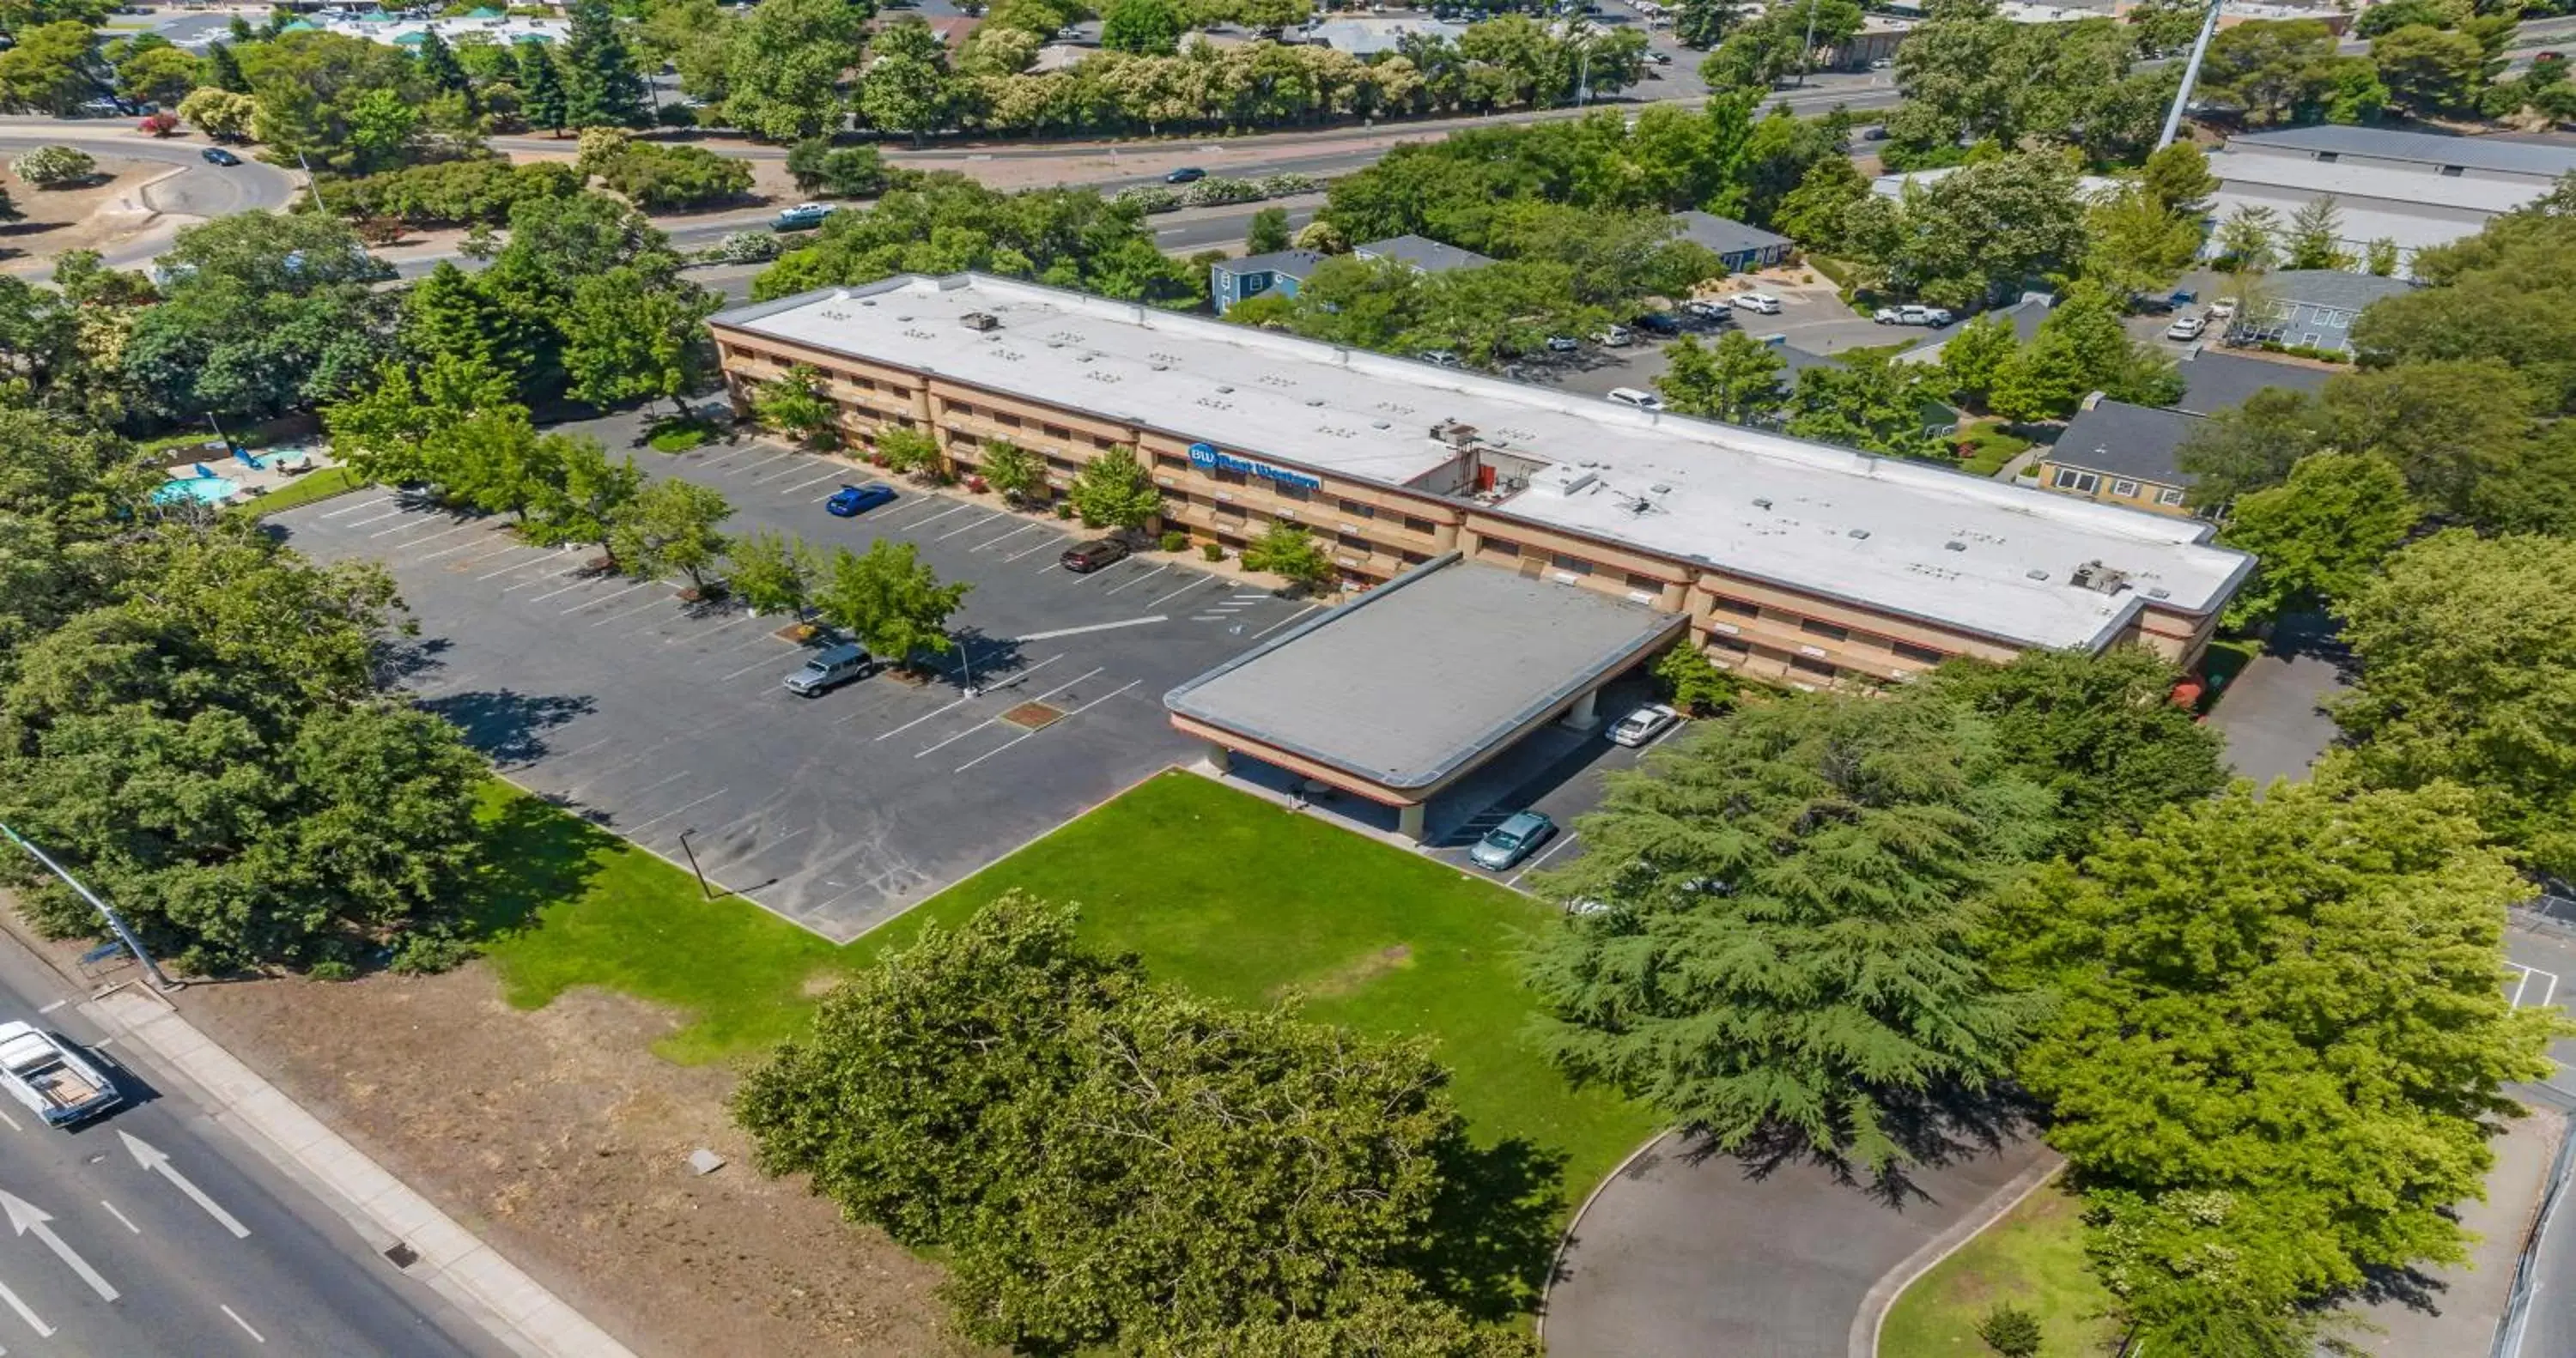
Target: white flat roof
x,y
1874,531
2346,180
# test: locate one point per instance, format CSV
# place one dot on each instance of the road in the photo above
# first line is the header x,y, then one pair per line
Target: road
x,y
197,192
167,1274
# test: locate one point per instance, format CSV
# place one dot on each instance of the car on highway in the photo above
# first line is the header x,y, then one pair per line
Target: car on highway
x,y
1562,344
851,501
828,669
802,217
1085,557
1762,302
1642,724
216,155
52,1079
2186,328
1515,839
1187,174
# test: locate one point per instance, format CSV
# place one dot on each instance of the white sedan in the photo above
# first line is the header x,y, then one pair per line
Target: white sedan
x,y
1643,724
1762,302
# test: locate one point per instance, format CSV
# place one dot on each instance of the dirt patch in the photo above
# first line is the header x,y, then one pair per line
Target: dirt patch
x,y
1355,975
89,217
561,1139
1034,715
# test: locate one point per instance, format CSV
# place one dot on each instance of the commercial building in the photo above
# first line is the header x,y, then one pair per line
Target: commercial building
x,y
2415,189
1792,561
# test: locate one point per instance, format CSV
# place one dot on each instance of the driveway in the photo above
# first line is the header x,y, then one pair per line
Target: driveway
x,y
1683,1256
196,192
2273,713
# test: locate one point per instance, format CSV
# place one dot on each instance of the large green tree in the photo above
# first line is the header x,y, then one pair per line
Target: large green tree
x,y
1114,490
601,85
1785,904
2319,537
1736,380
2278,1049
673,525
890,600
631,336
783,65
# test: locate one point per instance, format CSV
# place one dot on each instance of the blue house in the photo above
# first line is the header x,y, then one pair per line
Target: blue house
x,y
1240,280
2310,308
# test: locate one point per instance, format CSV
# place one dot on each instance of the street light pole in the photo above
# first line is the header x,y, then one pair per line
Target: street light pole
x,y
2190,75
114,921
703,889
1807,49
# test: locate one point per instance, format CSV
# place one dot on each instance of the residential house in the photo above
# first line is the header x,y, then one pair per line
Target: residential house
x,y
1421,253
1241,280
1743,248
2121,454
2310,308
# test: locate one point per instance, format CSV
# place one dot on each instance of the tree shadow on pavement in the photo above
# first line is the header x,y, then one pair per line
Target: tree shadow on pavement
x,y
507,726
2300,635
1493,1237
1934,1129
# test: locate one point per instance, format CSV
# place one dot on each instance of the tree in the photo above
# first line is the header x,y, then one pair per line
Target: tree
x,y
1011,469
388,432
2277,1047
2464,646
601,87
1113,1166
50,68
2178,178
545,102
2135,244
2288,72
794,403
589,498
783,65
494,460
1268,232
819,167
2099,732
2251,447
1702,24
1976,357
2315,237
51,167
907,85
1757,55
161,74
1144,27
2081,348
672,526
771,573
1737,380
2010,1331
1973,235
1286,549
2318,538
223,69
890,601
2249,239
2428,71
1868,401
1693,683
1113,490
906,450
2380,256
438,65
1812,214
631,337
219,113
1785,946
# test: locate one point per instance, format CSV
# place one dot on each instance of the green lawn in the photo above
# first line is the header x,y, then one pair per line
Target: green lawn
x,y
312,486
1220,892
678,436
2033,1258
1992,448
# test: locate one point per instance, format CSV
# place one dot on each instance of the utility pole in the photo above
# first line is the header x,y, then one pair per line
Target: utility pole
x,y
114,921
2190,75
311,183
1807,49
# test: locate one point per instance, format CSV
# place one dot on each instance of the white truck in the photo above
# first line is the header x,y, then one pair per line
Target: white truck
x,y
51,1077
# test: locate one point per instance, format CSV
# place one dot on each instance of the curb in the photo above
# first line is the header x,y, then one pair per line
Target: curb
x,y
517,1310
1565,1240
1882,1294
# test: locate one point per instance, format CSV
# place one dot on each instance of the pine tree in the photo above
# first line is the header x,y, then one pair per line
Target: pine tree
x,y
543,100
438,64
601,86
452,313
223,69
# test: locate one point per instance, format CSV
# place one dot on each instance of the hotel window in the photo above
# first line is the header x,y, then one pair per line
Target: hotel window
x,y
2453,171
1811,665
2124,488
1169,463
2070,479
1416,558
1355,509
2169,496
1355,542
2328,157
1502,547
1923,655
1829,631
1414,525
1230,478
1571,564
1647,582
961,408
1058,432
1005,417
1739,607
1286,491
1730,646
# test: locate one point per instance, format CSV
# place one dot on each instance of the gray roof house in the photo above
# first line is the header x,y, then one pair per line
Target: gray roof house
x,y
2117,453
2310,308
1240,280
1743,248
1424,254
2213,381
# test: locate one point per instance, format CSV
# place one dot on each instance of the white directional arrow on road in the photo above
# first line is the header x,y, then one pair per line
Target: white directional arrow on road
x,y
156,1161
26,1218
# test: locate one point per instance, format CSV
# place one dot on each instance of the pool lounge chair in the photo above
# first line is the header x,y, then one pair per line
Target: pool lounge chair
x,y
294,463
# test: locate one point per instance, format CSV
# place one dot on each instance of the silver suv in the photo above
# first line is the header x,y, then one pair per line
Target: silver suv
x,y
829,668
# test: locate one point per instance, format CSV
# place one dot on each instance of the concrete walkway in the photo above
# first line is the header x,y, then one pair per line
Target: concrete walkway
x,y
522,1314
2458,1309
1680,1256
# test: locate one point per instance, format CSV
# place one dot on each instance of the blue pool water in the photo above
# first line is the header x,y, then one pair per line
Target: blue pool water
x,y
206,490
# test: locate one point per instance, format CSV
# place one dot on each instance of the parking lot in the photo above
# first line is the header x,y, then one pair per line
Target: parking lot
x,y
658,719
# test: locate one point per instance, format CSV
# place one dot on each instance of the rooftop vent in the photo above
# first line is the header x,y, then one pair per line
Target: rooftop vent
x,y
1225,389
1160,367
2160,592
1316,401
2100,579
1380,424
2036,574
1762,504
1954,545
1857,533
981,320
1659,488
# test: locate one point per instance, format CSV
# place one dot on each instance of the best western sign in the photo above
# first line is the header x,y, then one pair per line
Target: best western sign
x,y
1206,456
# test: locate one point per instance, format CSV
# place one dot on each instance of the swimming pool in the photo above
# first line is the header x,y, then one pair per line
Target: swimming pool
x,y
205,490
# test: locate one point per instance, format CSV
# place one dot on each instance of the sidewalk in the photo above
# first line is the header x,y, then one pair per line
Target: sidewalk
x,y
525,1316
2460,1310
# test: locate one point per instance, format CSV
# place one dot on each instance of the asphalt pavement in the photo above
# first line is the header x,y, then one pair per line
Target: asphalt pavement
x,y
154,1231
197,192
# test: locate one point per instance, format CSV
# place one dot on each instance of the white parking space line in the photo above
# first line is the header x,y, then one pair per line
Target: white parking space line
x,y
1023,528
1050,725
1194,584
630,612
1293,617
717,630
544,576
448,551
969,528
900,509
237,1320
928,520
1031,551
1544,855
767,462
961,735
632,832
13,1122
833,475
1143,578
380,518
376,503
1092,627
435,537
522,565
577,584
1011,682
2522,993
755,665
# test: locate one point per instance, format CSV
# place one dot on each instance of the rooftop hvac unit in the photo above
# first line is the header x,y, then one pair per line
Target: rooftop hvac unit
x,y
2100,579
981,320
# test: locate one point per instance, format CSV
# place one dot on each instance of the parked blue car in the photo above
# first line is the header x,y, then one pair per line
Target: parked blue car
x,y
852,501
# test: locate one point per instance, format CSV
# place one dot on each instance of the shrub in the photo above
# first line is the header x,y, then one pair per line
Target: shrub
x,y
661,177
1064,511
1216,190
160,124
2010,1331
1212,551
49,167
676,115
451,193
332,970
1151,197
745,247
429,951
819,167
1174,540
679,436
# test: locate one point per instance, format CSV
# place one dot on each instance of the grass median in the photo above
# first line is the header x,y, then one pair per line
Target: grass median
x,y
1222,893
304,490
2031,1257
